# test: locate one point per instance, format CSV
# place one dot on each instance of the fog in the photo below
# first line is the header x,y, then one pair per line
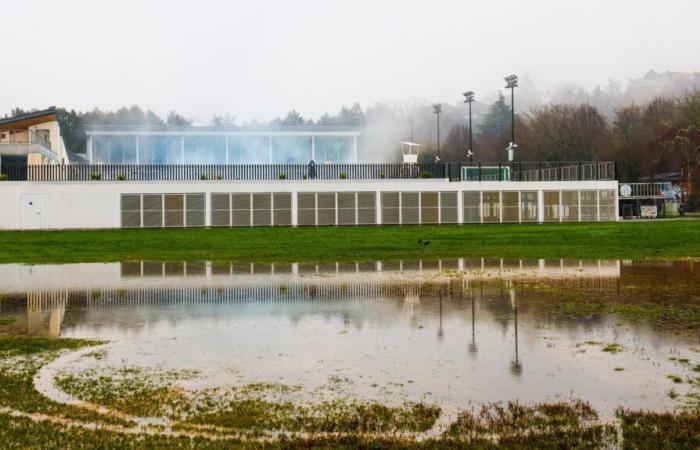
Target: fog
x,y
256,60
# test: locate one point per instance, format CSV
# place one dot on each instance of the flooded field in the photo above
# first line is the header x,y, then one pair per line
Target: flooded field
x,y
455,334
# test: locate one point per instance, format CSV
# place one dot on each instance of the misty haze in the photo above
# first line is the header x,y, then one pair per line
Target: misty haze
x,y
394,224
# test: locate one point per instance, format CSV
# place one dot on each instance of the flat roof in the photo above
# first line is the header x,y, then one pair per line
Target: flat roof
x,y
130,129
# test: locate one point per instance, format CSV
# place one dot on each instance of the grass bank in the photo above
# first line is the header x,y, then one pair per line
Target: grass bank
x,y
623,240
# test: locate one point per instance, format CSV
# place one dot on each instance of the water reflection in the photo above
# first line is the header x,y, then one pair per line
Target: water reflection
x,y
455,330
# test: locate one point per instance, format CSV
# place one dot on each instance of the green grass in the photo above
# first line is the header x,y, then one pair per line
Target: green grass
x,y
621,240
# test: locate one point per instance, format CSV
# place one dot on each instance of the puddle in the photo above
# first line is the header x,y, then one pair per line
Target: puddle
x,y
457,333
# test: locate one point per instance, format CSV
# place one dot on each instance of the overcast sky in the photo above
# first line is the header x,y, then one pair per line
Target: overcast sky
x,y
261,58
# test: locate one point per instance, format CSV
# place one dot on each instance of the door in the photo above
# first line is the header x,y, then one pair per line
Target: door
x,y
35,212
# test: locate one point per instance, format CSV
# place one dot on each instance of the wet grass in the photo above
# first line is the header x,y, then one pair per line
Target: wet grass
x,y
555,425
661,240
20,359
650,430
258,408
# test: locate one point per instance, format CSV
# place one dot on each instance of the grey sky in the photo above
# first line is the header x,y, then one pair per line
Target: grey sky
x,y
262,58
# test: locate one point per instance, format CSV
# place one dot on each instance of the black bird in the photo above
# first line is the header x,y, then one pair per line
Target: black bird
x,y
423,243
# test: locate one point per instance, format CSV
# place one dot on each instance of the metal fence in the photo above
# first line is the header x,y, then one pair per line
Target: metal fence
x,y
454,171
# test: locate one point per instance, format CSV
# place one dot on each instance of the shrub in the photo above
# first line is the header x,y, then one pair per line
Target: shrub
x,y
218,177
343,176
282,176
203,177
3,177
304,177
121,177
426,174
95,176
381,175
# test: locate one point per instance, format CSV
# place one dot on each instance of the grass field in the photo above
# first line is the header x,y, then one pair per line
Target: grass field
x,y
624,240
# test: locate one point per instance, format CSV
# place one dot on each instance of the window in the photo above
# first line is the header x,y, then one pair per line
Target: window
x,y
282,213
262,209
306,208
589,205
410,213
248,149
511,208
220,210
390,208
332,150
430,212
326,208
346,208
174,210
160,150
240,210
569,206
551,206
291,149
471,202
528,206
114,149
448,207
491,206
152,210
366,208
131,210
195,208
205,149
607,204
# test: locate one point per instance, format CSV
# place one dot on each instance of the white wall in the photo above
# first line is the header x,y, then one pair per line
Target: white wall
x,y
96,204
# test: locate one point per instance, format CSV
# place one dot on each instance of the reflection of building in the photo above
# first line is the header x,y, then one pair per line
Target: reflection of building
x,y
45,311
221,145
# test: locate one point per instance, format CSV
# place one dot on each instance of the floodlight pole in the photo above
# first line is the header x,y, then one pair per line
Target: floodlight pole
x,y
438,109
410,121
512,83
468,99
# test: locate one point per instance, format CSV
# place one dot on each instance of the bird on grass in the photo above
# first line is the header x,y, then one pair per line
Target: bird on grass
x,y
423,243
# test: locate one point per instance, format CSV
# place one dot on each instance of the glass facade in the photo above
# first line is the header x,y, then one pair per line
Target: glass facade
x,y
291,149
221,149
333,150
160,150
114,149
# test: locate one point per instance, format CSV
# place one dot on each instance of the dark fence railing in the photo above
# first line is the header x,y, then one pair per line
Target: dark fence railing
x,y
454,171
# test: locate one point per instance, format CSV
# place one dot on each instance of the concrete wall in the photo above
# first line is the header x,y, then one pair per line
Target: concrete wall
x,y
96,204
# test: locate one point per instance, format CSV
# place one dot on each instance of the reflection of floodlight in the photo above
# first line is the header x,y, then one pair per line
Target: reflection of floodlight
x,y
437,109
469,98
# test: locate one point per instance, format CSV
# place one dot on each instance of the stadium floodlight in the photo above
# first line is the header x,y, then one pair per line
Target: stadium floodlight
x,y
512,83
469,98
437,109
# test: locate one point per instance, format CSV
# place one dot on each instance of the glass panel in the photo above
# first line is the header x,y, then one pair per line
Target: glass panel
x,y
569,205
390,207
472,207
448,207
160,150
528,206
291,149
248,149
510,206
333,150
607,204
551,206
409,208
429,207
114,149
306,213
205,150
491,206
589,205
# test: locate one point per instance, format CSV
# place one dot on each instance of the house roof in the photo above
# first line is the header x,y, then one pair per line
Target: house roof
x,y
24,121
